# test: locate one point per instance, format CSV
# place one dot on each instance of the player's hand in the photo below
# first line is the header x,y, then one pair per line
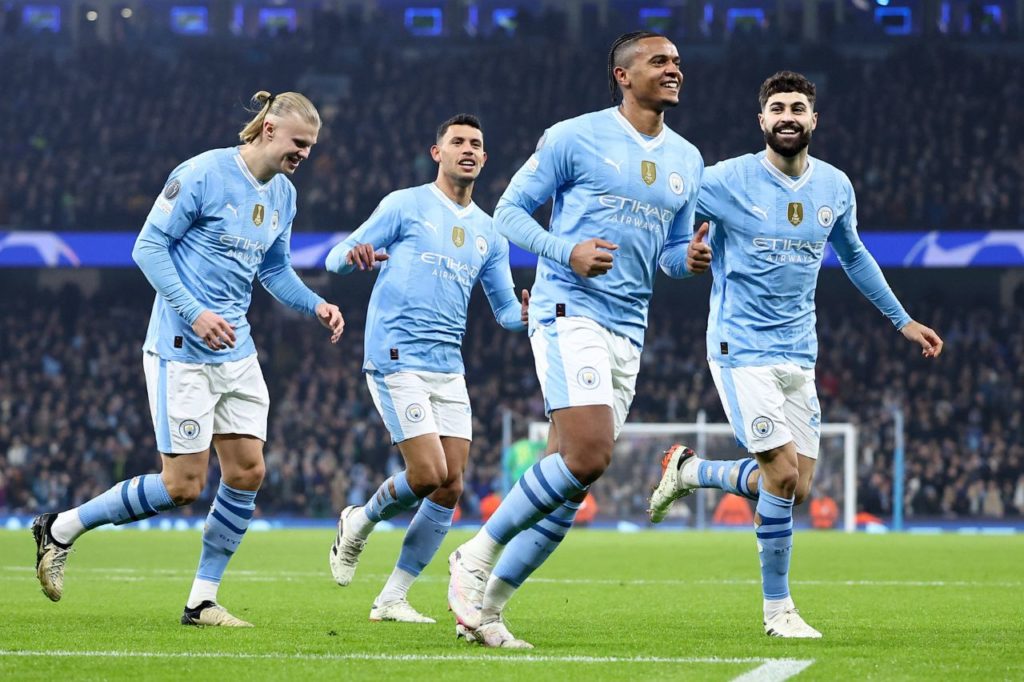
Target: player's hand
x,y
698,253
364,257
214,330
929,341
330,317
525,315
591,258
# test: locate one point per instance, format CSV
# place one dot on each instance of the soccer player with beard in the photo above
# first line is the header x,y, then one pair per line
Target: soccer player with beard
x,y
625,190
771,216
439,244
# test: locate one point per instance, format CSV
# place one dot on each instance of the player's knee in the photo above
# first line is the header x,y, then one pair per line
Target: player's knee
x,y
427,478
247,478
184,491
449,493
802,492
588,459
784,479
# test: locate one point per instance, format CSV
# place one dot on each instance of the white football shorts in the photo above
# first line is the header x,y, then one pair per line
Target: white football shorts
x,y
579,362
414,403
190,402
770,406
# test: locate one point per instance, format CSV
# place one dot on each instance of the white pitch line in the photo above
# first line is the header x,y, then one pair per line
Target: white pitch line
x,y
136,575
775,671
770,670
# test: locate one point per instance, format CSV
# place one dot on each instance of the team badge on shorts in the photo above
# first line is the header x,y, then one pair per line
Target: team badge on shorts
x,y
588,377
415,413
762,427
189,429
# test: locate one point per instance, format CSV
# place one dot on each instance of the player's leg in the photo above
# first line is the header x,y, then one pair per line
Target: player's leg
x,y
574,367
683,471
423,538
403,400
780,479
240,430
242,470
182,419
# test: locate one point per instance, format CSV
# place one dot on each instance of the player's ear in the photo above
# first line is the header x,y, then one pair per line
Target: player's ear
x,y
621,75
814,120
435,153
268,129
483,159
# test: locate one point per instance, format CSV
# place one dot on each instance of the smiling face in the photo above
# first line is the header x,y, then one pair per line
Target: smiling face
x,y
289,139
787,121
460,153
649,72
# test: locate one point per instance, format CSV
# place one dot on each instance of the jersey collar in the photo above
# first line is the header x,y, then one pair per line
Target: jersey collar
x,y
459,211
787,182
648,145
256,184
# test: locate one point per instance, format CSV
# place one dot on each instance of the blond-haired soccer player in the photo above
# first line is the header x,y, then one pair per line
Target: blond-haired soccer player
x,y
223,218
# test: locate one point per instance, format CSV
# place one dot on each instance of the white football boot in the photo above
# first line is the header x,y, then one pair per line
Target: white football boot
x,y
789,624
671,486
344,555
465,590
213,614
399,611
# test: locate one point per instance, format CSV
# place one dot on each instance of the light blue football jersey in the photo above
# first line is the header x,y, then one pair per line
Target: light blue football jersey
x,y
609,182
768,236
437,251
224,224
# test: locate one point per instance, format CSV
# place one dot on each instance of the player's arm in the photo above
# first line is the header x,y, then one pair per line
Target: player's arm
x,y
549,168
179,205
359,249
496,278
862,269
278,277
684,254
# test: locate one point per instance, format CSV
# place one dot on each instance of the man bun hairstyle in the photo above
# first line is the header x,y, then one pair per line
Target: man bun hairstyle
x,y
264,104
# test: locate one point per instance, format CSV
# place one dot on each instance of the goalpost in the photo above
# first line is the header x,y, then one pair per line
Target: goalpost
x,y
636,466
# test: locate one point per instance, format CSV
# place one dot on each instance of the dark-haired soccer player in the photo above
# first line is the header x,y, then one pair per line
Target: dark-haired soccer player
x,y
439,244
772,214
625,189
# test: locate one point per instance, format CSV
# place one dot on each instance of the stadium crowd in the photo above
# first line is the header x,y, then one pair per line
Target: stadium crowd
x,y
102,126
74,415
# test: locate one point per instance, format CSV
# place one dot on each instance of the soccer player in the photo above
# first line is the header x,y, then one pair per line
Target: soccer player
x,y
439,244
771,216
224,217
624,188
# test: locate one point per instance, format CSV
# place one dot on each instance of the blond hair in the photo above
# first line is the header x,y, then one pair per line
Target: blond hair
x,y
264,104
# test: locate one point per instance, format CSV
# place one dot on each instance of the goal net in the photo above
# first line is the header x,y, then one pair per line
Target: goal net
x,y
623,490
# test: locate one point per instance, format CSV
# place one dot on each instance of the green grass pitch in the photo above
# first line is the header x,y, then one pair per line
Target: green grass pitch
x,y
608,606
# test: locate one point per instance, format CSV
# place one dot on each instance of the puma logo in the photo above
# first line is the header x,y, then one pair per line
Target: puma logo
x,y
233,209
758,211
616,166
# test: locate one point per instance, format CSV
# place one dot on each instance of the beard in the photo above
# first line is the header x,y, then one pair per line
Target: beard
x,y
788,147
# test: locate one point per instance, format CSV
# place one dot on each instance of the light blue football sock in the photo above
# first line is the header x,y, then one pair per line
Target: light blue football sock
x,y
137,498
541,490
531,548
424,536
728,475
226,524
383,505
774,543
